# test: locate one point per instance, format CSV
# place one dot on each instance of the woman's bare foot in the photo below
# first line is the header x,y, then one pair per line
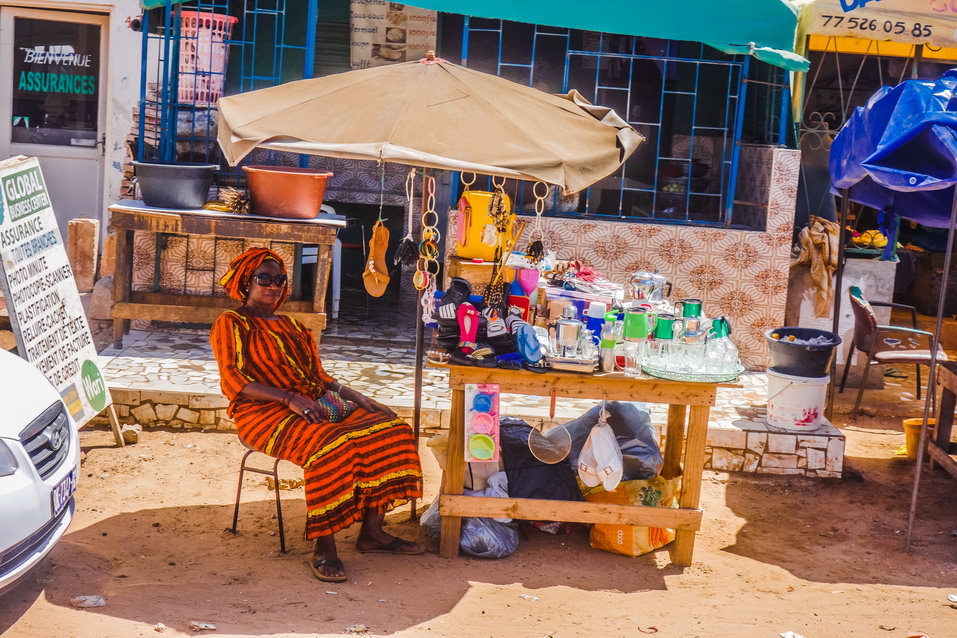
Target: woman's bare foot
x,y
325,563
373,539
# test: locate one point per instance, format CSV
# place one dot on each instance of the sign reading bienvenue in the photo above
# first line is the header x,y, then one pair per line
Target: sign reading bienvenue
x,y
45,309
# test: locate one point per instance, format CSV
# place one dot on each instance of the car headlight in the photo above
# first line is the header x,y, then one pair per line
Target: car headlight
x,y
8,462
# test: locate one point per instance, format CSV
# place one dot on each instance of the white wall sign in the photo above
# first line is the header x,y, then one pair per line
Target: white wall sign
x,y
41,295
910,21
387,32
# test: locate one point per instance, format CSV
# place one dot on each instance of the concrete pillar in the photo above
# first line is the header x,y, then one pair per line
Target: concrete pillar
x,y
81,249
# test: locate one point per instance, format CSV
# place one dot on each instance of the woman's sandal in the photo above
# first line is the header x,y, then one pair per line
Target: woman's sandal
x,y
395,547
317,565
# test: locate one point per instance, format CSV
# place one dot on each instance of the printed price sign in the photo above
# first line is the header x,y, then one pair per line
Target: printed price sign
x,y
41,295
386,32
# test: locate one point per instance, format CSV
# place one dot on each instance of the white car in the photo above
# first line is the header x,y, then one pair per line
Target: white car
x,y
39,466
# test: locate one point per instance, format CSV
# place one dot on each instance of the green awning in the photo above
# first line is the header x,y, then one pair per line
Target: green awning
x,y
762,28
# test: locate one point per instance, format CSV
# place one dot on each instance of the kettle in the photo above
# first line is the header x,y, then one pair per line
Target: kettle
x,y
648,286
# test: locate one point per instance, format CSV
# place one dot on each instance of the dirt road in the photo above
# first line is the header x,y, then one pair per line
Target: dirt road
x,y
823,558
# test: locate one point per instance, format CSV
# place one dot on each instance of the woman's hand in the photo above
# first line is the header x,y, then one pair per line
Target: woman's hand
x,y
364,402
304,407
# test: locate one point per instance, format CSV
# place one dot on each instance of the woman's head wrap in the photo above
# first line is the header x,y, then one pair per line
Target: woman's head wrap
x,y
236,279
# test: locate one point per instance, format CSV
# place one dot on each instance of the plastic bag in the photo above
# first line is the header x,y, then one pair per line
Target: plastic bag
x,y
637,439
487,538
633,540
430,521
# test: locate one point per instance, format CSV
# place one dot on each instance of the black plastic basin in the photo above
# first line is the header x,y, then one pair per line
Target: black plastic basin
x,y
801,360
174,185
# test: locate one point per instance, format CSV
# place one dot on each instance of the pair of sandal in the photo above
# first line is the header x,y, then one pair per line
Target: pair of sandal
x,y
395,546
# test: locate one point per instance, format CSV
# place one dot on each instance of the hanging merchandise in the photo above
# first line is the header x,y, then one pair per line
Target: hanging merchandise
x,y
600,459
535,252
507,233
477,236
376,275
405,253
481,422
428,263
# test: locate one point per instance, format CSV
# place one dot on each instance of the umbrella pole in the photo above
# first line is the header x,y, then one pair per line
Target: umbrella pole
x,y
419,347
932,380
838,294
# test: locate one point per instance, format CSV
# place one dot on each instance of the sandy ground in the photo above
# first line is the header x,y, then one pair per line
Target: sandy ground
x,y
823,558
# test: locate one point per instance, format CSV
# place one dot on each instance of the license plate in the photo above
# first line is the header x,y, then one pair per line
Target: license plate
x,y
62,492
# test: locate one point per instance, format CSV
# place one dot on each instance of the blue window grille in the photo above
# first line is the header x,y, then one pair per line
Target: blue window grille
x,y
185,69
689,101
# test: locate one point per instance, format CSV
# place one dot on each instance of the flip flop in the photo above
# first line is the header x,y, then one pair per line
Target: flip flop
x,y
394,547
317,565
527,343
468,327
376,274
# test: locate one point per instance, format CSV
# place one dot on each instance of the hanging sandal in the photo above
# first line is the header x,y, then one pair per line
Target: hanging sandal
x,y
376,275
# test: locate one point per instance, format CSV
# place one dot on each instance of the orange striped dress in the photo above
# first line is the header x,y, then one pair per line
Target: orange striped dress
x,y
367,461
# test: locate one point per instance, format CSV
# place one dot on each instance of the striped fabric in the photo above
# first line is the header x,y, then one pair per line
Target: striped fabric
x,y
366,461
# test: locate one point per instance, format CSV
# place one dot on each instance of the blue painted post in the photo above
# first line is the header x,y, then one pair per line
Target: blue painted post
x,y
309,64
736,149
783,117
140,142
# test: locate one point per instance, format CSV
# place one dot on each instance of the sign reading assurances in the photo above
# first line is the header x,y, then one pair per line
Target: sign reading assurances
x,y
41,295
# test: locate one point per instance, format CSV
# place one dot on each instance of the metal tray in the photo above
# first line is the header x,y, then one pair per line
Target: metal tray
x,y
694,377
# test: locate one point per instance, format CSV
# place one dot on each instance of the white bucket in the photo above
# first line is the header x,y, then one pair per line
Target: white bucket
x,y
795,403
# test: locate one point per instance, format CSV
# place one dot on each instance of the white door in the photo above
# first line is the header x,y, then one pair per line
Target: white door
x,y
53,102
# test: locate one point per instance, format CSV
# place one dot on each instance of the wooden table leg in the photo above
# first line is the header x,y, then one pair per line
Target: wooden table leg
x,y
323,258
691,479
945,423
674,441
122,279
453,479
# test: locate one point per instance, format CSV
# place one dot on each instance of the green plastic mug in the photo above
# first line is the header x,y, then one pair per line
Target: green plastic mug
x,y
638,324
690,308
665,326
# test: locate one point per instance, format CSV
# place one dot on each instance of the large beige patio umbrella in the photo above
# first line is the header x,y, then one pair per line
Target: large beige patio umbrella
x,y
433,114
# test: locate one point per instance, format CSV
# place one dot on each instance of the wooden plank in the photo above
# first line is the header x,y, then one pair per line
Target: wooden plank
x,y
613,386
206,301
323,262
674,441
947,375
942,458
576,512
122,278
187,224
691,480
193,314
453,479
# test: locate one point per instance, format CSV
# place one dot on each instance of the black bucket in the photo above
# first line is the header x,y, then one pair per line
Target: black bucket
x,y
801,360
181,186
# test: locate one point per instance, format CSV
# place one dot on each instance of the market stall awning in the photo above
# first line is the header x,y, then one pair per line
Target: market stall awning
x,y
433,114
898,152
903,21
762,28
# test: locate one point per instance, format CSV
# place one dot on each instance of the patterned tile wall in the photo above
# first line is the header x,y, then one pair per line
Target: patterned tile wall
x,y
741,274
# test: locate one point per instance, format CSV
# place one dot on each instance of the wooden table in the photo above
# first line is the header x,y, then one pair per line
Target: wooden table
x,y
940,447
683,454
129,216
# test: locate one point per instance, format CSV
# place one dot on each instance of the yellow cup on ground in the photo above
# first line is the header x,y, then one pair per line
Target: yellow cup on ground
x,y
912,428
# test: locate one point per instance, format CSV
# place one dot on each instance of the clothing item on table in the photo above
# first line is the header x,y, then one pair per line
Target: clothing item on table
x,y
366,461
819,247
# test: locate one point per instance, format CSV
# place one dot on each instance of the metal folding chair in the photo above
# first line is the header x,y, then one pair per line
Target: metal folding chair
x,y
274,473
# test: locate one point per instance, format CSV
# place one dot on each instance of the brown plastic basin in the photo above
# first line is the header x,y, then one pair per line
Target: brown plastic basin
x,y
284,191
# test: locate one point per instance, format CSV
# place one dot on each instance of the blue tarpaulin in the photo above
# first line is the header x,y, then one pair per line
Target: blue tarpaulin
x,y
898,152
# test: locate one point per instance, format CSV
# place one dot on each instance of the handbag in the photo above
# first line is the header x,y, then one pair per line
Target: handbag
x,y
333,408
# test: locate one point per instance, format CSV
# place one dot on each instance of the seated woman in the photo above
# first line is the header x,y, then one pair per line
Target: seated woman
x,y
358,459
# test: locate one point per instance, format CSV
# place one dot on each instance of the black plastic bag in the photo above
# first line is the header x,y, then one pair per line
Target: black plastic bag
x,y
640,456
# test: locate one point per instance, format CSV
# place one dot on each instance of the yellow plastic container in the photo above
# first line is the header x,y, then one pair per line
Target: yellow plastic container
x,y
912,428
476,237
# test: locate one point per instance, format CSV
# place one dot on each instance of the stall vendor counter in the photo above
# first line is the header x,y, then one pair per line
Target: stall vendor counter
x,y
941,448
684,452
129,216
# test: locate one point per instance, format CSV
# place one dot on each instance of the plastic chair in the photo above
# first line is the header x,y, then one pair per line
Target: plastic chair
x,y
880,346
274,473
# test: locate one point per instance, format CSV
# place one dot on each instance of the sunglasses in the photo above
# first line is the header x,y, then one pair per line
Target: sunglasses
x,y
265,280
